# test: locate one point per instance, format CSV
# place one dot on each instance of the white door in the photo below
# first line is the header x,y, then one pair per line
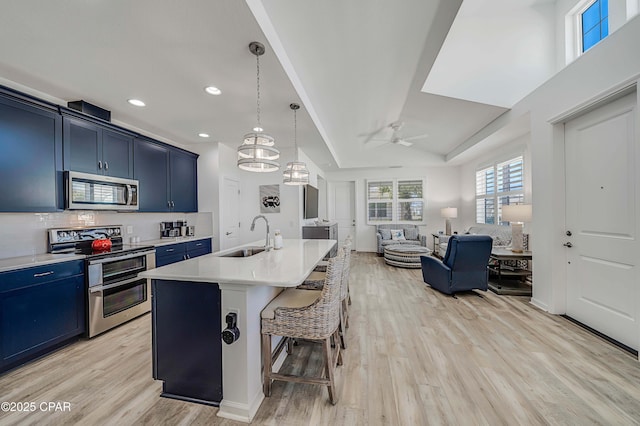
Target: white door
x,y
602,200
344,210
230,213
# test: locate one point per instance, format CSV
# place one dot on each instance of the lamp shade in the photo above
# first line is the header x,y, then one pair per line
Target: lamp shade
x,y
296,173
449,212
517,213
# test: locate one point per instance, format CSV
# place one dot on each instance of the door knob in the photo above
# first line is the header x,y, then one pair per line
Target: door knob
x,y
568,244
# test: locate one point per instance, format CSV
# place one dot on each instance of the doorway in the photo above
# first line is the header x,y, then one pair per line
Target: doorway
x,y
344,211
602,199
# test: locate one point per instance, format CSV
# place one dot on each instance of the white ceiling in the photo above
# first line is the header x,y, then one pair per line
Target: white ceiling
x,y
355,66
496,52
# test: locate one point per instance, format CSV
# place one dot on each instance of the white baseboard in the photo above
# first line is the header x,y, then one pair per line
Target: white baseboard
x,y
539,304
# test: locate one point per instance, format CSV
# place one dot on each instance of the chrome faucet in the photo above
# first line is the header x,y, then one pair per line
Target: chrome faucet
x,y
267,247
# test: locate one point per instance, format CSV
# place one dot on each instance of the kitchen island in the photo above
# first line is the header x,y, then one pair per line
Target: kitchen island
x,y
246,285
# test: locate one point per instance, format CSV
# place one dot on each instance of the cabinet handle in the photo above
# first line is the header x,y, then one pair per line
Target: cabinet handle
x,y
198,244
42,274
173,204
188,257
106,165
168,203
100,165
170,250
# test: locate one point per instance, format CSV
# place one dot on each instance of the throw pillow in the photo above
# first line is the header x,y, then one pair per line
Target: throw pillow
x,y
397,234
411,233
386,234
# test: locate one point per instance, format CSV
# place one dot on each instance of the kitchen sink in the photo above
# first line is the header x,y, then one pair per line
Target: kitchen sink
x,y
244,252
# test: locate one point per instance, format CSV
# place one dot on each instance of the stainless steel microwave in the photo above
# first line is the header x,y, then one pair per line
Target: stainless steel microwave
x,y
84,191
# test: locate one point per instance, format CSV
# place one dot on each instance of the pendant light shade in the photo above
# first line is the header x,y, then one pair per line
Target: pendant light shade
x,y
257,152
296,172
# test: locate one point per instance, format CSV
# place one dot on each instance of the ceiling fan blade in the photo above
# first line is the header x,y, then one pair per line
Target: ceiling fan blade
x,y
372,134
374,143
413,138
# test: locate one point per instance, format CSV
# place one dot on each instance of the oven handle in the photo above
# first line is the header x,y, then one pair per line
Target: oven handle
x,y
123,257
100,288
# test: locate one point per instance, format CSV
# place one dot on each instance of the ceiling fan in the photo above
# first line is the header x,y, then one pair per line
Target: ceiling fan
x,y
396,135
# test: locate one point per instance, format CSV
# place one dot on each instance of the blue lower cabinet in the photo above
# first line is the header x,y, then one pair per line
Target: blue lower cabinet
x,y
186,340
172,253
42,308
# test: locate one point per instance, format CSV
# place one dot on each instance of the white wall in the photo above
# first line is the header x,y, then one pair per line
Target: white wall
x,y
25,234
442,189
208,185
218,161
620,11
608,66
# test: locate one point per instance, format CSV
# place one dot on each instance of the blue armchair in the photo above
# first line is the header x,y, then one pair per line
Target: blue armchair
x,y
464,266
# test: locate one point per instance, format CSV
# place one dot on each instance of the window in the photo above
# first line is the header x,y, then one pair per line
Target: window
x,y
498,185
380,201
594,23
395,201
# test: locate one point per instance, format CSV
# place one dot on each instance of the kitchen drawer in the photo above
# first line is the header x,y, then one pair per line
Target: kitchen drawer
x,y
39,274
170,250
169,259
197,253
199,245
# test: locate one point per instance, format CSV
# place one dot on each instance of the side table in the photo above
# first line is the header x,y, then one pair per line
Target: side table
x,y
511,280
436,245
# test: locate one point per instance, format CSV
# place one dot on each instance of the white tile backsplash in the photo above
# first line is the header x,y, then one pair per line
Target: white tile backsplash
x,y
25,234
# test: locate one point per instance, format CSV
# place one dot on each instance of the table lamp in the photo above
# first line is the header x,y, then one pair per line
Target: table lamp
x,y
448,213
516,214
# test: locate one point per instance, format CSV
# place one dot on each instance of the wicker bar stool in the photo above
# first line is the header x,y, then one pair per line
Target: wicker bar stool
x,y
309,315
316,280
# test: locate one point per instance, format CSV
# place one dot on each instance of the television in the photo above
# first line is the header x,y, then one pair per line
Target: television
x,y
310,202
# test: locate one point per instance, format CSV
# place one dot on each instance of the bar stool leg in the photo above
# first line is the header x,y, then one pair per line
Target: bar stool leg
x,y
329,365
342,331
345,309
266,364
338,354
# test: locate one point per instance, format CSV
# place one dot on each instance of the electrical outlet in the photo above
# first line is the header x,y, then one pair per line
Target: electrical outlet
x,y
129,230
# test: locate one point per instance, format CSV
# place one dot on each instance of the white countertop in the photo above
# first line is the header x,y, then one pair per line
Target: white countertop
x,y
14,263
286,267
166,241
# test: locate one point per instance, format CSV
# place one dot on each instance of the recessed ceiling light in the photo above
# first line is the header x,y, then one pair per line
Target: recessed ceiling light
x,y
203,135
136,102
212,90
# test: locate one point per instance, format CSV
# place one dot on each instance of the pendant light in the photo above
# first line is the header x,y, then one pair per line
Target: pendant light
x,y
257,153
296,172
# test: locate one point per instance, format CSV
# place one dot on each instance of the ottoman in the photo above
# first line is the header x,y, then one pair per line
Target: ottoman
x,y
405,255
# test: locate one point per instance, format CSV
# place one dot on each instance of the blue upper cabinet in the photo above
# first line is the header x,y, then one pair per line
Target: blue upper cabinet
x,y
94,148
151,168
167,176
31,160
184,181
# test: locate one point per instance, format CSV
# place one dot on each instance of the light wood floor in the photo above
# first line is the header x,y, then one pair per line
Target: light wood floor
x,y
415,357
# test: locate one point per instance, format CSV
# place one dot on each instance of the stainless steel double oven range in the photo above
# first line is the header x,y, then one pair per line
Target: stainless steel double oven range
x,y
115,293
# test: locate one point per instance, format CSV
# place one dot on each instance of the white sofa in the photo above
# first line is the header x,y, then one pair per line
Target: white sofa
x,y
500,234
411,233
